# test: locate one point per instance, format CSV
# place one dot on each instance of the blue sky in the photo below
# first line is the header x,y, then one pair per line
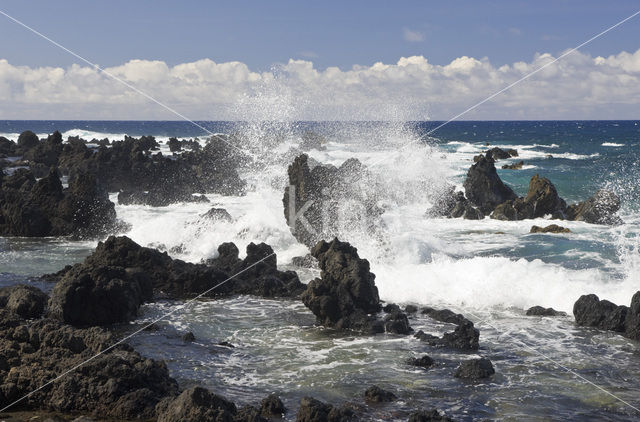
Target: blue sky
x,y
331,33
326,60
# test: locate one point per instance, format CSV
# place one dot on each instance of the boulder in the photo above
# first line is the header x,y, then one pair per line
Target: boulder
x,y
553,228
444,315
312,410
26,301
599,209
632,323
7,147
88,296
540,311
196,404
217,214
375,394
27,140
484,188
475,369
590,311
465,337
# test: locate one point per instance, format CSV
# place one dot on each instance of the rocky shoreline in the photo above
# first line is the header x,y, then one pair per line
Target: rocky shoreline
x,y
43,335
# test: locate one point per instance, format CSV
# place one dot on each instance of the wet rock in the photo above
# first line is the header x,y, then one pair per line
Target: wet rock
x,y
496,153
422,362
632,323
544,198
88,296
411,309
217,214
553,228
318,201
345,296
428,416
484,188
445,202
599,209
475,369
26,301
47,152
119,384
444,315
375,394
590,311
179,279
188,337
465,337
196,404
43,208
272,407
312,410
396,322
514,166
540,311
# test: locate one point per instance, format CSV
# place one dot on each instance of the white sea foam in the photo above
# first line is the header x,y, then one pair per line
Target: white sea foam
x,y
611,144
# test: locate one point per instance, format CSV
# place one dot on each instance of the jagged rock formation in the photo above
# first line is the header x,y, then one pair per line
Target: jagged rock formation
x,y
590,311
345,296
120,275
44,208
319,199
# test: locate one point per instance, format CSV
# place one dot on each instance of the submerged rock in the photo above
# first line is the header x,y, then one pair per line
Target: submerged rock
x,y
514,166
424,361
464,337
484,188
553,228
375,394
475,369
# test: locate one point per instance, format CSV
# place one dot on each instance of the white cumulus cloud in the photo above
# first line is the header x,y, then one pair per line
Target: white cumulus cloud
x,y
577,87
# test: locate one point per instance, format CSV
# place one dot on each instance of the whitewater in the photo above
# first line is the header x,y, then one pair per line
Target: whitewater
x,y
489,270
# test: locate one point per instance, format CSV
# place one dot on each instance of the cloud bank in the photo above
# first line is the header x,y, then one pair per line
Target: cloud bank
x,y
577,87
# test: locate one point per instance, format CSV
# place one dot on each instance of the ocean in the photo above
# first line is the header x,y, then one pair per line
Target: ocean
x,y
489,270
